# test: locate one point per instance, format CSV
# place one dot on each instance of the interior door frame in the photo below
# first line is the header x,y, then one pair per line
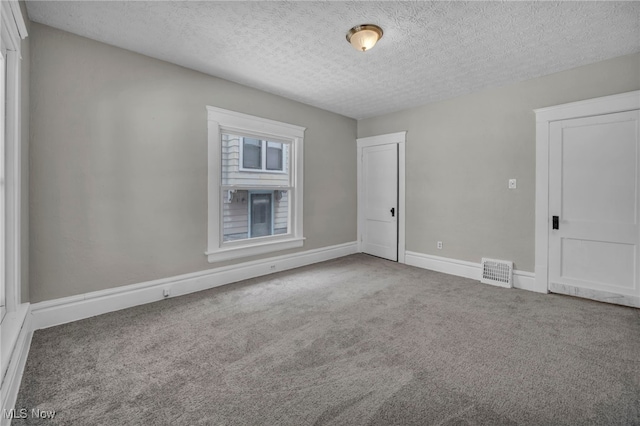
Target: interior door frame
x,y
628,101
399,139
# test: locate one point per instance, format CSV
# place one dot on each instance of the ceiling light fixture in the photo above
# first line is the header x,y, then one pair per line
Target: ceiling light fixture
x,y
364,37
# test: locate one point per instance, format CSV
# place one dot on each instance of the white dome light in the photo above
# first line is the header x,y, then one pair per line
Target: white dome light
x,y
364,37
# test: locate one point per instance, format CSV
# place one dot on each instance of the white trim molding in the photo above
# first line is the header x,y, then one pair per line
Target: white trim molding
x,y
521,279
68,309
544,117
400,139
255,249
12,31
12,25
15,328
219,119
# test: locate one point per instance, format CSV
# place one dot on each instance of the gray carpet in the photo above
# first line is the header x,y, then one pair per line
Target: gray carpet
x,y
353,341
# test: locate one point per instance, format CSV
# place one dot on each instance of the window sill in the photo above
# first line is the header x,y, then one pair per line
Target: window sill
x,y
253,249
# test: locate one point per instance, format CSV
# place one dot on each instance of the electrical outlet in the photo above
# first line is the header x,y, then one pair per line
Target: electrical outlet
x,y
439,245
166,293
512,184
273,267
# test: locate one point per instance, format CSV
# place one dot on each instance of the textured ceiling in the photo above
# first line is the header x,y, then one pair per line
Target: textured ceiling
x,y
430,50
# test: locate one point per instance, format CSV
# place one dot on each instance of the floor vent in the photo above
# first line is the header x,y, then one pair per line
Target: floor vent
x,y
497,272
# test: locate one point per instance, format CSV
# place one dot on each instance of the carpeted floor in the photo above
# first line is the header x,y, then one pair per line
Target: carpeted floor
x,y
353,341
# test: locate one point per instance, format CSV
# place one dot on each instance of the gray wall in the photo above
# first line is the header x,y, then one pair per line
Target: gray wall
x,y
461,153
119,165
24,181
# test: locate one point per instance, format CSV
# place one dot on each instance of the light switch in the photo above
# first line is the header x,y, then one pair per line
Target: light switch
x,y
512,184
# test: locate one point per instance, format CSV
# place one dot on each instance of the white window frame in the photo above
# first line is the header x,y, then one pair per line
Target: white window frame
x,y
263,160
219,120
12,31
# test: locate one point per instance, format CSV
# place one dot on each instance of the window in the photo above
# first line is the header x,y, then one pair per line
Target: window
x,y
249,189
275,151
252,154
262,155
255,185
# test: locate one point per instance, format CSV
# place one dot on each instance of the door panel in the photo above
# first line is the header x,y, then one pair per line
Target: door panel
x,y
598,263
380,196
598,172
593,188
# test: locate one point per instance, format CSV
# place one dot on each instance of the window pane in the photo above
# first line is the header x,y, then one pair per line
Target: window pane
x,y
238,152
254,213
274,156
252,154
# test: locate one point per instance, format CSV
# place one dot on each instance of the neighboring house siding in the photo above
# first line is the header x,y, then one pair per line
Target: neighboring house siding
x,y
236,213
236,216
281,213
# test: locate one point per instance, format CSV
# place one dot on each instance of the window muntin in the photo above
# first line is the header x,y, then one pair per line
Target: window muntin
x,y
235,230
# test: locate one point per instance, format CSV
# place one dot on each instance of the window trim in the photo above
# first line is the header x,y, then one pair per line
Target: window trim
x,y
263,159
220,119
12,31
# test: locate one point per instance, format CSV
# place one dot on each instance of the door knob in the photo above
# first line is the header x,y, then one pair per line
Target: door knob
x,y
393,211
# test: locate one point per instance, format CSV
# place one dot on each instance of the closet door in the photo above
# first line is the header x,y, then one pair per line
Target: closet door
x,y
593,204
380,201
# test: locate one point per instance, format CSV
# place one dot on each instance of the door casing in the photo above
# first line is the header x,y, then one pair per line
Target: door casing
x,y
398,138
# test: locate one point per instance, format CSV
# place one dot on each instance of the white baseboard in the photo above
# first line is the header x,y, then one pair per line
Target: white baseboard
x,y
527,281
16,361
461,268
456,267
68,309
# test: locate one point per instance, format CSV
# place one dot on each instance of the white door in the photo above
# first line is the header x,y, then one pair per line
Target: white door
x,y
380,201
593,201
